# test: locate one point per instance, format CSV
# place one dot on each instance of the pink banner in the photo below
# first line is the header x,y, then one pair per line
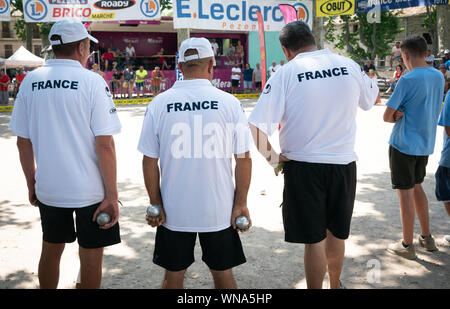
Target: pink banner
x,y
262,47
289,12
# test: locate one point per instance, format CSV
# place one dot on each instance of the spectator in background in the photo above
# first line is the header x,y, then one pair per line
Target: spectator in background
x,y
393,81
257,77
116,82
108,58
141,77
4,83
281,63
157,78
130,54
446,59
248,79
231,54
215,47
161,60
430,58
128,80
26,69
446,77
395,55
19,80
273,68
368,65
236,74
405,69
96,69
239,53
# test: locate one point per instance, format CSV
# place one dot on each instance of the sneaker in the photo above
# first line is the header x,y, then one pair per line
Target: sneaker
x,y
398,249
342,285
428,243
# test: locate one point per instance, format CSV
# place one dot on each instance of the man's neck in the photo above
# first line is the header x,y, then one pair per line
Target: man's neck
x,y
306,49
69,58
418,63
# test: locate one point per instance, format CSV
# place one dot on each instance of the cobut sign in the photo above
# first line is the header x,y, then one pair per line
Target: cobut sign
x,y
326,8
235,15
90,10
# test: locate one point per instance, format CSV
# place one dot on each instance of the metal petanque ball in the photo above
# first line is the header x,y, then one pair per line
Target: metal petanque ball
x,y
242,222
153,211
103,218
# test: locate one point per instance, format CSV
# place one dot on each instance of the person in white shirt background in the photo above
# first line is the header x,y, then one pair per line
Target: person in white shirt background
x,y
396,54
64,118
215,47
130,53
193,130
236,74
314,97
273,68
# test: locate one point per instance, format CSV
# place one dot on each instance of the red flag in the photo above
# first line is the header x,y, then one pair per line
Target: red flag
x,y
262,48
289,12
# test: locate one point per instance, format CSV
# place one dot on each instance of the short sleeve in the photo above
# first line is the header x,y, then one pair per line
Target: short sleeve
x,y
398,96
149,140
104,118
242,138
368,91
269,109
444,120
19,118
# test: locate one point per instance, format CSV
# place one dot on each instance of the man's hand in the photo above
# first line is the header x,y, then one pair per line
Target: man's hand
x,y
158,220
240,210
32,196
277,163
398,115
111,207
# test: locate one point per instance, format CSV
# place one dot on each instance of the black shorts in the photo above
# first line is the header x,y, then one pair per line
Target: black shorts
x,y
406,170
174,251
58,227
317,197
235,83
442,184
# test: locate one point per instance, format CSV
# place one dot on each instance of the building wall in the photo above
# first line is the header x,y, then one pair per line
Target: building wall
x,y
9,43
273,48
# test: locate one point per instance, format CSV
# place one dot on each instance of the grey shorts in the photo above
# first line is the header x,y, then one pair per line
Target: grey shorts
x,y
4,97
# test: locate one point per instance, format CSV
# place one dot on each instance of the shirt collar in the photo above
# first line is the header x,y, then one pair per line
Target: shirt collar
x,y
192,82
63,62
313,53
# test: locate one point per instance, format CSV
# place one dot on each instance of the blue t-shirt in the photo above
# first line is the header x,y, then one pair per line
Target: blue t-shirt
x,y
419,95
248,74
445,122
447,64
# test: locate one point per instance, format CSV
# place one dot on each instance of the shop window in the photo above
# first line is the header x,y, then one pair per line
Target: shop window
x,y
8,50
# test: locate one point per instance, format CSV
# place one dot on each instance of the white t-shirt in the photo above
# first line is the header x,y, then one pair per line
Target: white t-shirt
x,y
215,48
397,51
195,128
236,73
130,51
61,107
272,69
315,98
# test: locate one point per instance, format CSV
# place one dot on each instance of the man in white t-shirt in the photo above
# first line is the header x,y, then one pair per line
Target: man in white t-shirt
x,y
64,118
195,129
130,53
314,97
236,74
214,46
395,55
273,68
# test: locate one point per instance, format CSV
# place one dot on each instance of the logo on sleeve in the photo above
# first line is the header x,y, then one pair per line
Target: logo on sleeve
x,y
108,93
267,89
113,110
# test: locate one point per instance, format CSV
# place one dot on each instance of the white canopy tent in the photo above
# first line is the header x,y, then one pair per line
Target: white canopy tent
x,y
22,57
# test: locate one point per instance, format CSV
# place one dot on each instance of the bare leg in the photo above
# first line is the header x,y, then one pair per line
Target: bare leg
x,y
315,264
48,271
335,250
173,279
447,207
90,268
407,214
223,279
421,206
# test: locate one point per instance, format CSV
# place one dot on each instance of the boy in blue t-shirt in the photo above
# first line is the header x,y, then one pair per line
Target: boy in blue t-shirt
x,y
414,107
443,171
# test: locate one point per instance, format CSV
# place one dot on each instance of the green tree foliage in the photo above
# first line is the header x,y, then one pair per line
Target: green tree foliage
x,y
362,39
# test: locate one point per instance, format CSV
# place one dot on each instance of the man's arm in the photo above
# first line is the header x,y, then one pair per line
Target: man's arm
x,y
391,115
265,148
26,155
447,131
106,152
152,184
243,175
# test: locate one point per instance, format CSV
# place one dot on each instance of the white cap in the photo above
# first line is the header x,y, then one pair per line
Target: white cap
x,y
202,45
446,51
70,31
